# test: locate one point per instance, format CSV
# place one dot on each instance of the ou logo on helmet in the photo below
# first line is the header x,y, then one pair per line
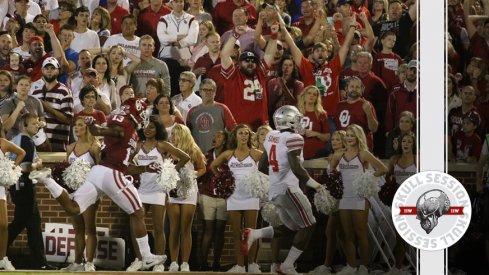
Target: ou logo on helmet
x,y
431,210
344,118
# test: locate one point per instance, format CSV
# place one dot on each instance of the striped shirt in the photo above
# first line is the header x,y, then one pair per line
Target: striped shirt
x,y
61,99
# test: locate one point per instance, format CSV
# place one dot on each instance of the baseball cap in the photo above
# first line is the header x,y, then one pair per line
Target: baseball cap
x,y
473,116
36,38
343,2
51,61
413,64
18,1
247,54
90,72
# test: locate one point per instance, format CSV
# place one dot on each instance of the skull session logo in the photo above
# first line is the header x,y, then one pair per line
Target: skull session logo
x,y
431,210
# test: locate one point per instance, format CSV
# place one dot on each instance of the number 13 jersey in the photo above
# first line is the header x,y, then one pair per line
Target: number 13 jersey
x,y
277,145
116,150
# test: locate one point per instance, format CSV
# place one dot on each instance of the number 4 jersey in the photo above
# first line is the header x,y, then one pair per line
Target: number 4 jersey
x,y
117,150
277,145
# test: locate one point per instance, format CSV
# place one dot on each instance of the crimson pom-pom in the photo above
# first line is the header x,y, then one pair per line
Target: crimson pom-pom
x,y
57,174
334,183
224,182
388,190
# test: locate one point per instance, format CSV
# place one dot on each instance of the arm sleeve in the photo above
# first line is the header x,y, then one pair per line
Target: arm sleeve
x,y
294,142
228,118
193,32
163,32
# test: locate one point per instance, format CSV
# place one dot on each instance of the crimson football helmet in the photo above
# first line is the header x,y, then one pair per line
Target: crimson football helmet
x,y
135,108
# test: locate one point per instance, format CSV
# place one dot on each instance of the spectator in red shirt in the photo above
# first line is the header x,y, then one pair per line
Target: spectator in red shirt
x,y
148,20
306,21
210,59
88,98
315,123
223,14
387,62
116,14
357,110
402,98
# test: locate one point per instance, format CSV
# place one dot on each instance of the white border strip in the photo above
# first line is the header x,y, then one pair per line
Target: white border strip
x,y
432,122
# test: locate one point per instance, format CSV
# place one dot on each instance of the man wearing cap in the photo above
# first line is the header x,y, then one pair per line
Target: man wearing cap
x,y
400,23
245,86
402,98
5,47
215,72
36,48
57,102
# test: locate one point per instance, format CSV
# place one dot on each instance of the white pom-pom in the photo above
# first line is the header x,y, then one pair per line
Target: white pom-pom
x,y
366,184
9,172
74,176
324,202
270,215
168,176
257,184
186,186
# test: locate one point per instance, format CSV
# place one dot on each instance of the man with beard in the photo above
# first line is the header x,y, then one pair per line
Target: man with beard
x,y
5,47
36,48
322,71
357,110
374,91
57,102
245,86
402,98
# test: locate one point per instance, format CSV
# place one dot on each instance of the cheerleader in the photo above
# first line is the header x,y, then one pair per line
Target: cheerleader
x,y
181,210
153,147
213,208
401,166
242,158
338,145
6,147
353,210
86,147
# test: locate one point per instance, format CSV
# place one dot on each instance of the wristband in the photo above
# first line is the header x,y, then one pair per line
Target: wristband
x,y
274,36
235,35
313,184
353,26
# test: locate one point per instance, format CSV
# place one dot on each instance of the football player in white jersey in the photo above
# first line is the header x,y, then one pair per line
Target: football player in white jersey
x,y
283,163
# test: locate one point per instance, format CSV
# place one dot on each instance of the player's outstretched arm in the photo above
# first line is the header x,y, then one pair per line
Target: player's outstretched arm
x,y
110,131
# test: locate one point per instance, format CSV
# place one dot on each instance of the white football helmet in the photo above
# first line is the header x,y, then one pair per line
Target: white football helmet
x,y
288,117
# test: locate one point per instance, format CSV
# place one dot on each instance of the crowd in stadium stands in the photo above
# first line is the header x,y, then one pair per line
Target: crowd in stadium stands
x,y
203,67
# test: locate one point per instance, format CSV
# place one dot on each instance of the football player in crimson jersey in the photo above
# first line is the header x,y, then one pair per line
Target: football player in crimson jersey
x,y
108,178
282,161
